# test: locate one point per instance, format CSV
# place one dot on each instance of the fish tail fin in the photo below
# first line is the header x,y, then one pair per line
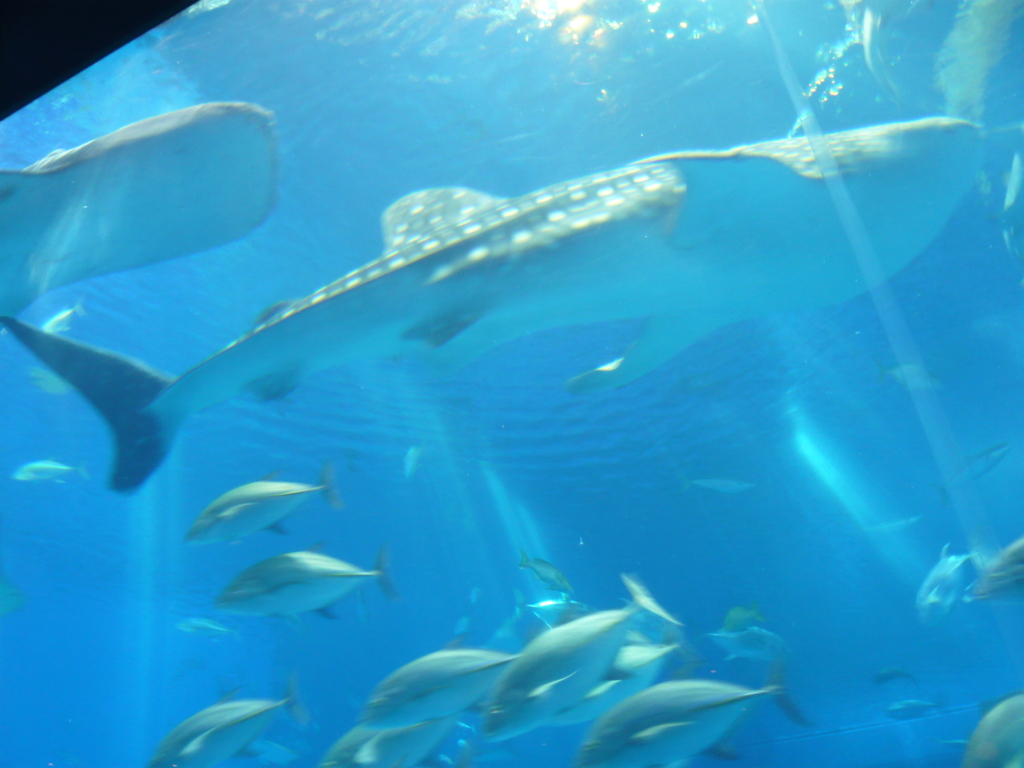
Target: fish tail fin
x,y
644,599
777,682
293,703
524,559
119,387
329,488
382,567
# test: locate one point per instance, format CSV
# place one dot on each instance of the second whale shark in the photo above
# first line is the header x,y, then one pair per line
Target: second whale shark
x,y
689,241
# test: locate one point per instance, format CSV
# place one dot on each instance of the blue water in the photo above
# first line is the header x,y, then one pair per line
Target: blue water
x,y
375,100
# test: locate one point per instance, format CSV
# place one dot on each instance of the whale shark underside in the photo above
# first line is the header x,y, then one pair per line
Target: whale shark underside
x,y
690,241
164,187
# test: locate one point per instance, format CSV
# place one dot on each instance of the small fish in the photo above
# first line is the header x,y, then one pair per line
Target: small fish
x,y
668,723
742,617
220,732
546,572
1003,577
983,462
257,506
439,684
295,582
751,643
910,709
49,382
723,484
942,588
888,674
412,460
636,666
911,376
38,471
198,625
559,667
61,321
871,25
895,526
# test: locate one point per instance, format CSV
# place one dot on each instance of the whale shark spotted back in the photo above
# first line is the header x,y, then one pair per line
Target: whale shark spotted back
x,y
689,241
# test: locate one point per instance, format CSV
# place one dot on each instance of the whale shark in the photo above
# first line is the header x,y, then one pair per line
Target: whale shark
x,y
689,241
167,186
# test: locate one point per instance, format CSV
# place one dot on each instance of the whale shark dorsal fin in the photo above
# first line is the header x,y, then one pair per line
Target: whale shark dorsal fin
x,y
421,212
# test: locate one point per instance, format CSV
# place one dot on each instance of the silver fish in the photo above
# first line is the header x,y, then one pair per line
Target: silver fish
x,y
46,469
164,187
666,723
295,582
910,709
364,747
942,588
61,321
219,732
751,643
558,668
255,506
636,666
691,241
723,484
436,685
998,740
197,625
546,572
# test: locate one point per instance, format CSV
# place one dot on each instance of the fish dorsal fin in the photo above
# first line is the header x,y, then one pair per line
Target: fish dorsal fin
x,y
541,690
194,747
229,695
944,553
600,689
318,547
655,731
421,212
644,599
269,476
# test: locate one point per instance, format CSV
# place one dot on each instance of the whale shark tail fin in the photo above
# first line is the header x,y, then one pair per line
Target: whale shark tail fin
x,y
117,386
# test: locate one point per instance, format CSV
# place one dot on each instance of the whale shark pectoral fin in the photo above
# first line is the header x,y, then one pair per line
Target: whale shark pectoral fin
x,y
664,337
438,331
